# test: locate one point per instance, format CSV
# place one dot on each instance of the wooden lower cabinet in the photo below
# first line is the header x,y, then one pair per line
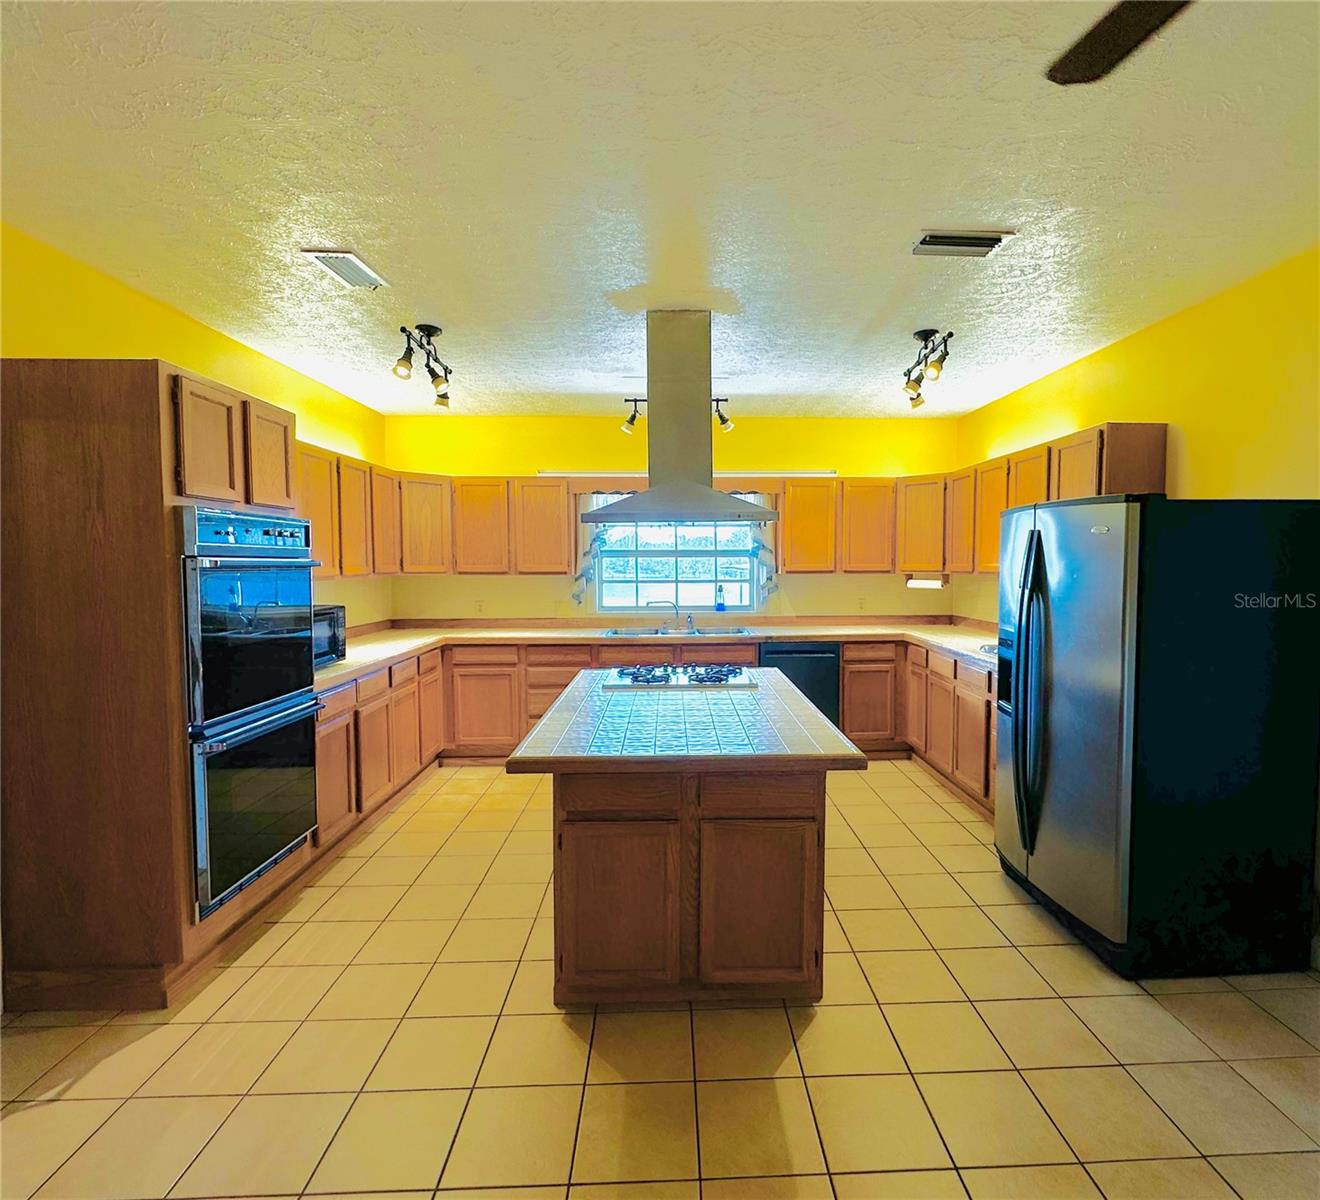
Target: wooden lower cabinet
x,y
374,752
914,707
405,733
939,722
484,701
617,904
869,702
431,713
336,777
971,738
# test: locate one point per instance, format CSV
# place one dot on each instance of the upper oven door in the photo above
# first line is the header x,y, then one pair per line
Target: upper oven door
x,y
249,627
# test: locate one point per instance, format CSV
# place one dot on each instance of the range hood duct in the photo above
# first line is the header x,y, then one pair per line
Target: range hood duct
x,y
678,434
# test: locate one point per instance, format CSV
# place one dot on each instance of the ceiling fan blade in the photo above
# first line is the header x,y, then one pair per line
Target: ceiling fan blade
x,y
1112,38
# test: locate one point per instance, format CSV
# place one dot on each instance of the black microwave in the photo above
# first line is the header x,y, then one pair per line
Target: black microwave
x,y
329,638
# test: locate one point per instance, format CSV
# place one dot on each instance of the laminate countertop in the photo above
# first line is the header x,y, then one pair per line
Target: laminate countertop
x,y
371,651
768,727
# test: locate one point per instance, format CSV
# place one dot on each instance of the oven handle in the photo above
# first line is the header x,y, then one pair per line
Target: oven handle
x,y
254,562
246,733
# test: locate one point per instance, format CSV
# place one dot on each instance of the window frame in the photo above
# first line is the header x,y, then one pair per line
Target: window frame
x,y
750,555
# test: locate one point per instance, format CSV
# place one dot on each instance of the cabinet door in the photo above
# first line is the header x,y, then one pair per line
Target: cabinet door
x,y
405,733
336,782
914,696
868,701
431,714
481,526
1029,476
920,502
384,522
991,500
959,520
270,454
210,435
866,534
761,901
971,738
354,517
939,721
1075,466
807,536
318,502
425,524
541,527
617,904
374,745
485,709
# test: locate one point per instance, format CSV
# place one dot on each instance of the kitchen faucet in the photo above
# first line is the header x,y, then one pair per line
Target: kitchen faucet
x,y
674,605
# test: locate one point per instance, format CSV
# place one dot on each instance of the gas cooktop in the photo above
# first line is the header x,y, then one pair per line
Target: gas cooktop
x,y
687,677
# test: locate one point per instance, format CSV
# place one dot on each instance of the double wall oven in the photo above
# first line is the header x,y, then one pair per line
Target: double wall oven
x,y
247,598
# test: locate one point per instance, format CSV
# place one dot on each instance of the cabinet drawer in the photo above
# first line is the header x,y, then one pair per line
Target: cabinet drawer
x,y
559,656
724,652
339,701
586,796
428,663
762,795
916,656
635,656
939,665
974,678
462,656
373,685
540,698
404,672
869,652
559,677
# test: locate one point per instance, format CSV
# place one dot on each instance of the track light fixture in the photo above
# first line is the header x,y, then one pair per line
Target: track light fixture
x,y
630,422
422,337
726,425
929,365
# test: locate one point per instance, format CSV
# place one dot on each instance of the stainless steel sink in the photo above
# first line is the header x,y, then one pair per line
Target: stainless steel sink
x,y
669,631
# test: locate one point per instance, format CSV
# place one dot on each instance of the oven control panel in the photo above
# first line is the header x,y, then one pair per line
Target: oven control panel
x,y
223,532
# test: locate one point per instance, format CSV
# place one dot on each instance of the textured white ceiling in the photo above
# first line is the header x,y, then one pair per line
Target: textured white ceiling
x,y
533,177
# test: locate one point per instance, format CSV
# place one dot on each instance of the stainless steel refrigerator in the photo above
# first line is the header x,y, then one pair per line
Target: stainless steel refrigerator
x,y
1158,716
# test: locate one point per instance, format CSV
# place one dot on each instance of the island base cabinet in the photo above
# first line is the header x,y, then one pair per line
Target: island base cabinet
x,y
760,918
616,907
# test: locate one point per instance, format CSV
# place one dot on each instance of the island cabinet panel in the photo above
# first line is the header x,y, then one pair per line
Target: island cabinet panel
x,y
617,905
336,776
385,553
1076,466
807,533
541,531
484,702
991,500
318,502
869,702
374,752
426,531
270,454
759,911
354,517
1029,476
866,525
920,502
210,440
481,526
405,732
960,521
431,705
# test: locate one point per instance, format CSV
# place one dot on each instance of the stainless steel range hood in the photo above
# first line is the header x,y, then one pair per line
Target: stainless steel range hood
x,y
679,465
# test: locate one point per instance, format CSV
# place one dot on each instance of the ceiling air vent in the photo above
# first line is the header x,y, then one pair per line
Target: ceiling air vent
x,y
345,266
960,243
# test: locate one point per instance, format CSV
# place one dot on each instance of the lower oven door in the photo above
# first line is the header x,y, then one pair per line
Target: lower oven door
x,y
254,798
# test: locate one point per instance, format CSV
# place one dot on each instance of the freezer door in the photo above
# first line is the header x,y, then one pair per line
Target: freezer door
x,y
1017,529
1079,671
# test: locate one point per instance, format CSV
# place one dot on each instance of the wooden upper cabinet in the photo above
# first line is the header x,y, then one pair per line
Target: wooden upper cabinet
x,y
317,497
1132,457
385,555
1075,466
425,524
866,527
481,526
541,541
354,517
210,440
960,520
991,500
270,454
920,503
807,533
1029,476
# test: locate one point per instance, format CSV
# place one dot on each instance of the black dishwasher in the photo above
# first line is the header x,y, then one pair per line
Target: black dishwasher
x,y
812,666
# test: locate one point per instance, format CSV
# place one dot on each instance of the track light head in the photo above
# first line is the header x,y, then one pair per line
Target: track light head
x,y
935,368
912,385
439,381
630,423
403,368
726,425
917,401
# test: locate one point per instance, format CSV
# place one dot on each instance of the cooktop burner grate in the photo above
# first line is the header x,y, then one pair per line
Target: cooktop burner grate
x,y
689,675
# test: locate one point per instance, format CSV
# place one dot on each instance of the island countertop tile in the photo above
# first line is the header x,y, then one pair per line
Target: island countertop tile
x,y
771,727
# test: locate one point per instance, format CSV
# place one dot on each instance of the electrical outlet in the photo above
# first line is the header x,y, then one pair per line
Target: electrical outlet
x,y
479,607
861,603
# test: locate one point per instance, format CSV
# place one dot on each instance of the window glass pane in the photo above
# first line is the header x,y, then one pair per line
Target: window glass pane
x,y
651,566
619,537
620,566
696,568
735,568
734,536
618,595
696,595
646,592
737,595
696,537
655,537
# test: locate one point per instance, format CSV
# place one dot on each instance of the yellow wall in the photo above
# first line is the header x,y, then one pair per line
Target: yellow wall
x,y
53,306
1237,378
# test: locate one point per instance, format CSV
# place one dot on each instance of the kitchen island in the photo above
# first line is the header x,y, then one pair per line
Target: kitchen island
x,y
689,830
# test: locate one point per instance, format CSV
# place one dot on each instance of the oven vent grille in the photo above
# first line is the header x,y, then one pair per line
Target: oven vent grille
x,y
345,266
960,243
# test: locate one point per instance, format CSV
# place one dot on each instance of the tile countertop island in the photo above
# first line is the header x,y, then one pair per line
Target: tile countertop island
x,y
688,838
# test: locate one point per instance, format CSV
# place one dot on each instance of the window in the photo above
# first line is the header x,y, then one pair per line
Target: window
x,y
683,564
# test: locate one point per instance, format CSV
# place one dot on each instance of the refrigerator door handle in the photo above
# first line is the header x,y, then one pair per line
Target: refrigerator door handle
x,y
1034,689
1019,692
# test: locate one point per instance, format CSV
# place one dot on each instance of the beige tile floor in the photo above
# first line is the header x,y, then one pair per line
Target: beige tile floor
x,y
389,1030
